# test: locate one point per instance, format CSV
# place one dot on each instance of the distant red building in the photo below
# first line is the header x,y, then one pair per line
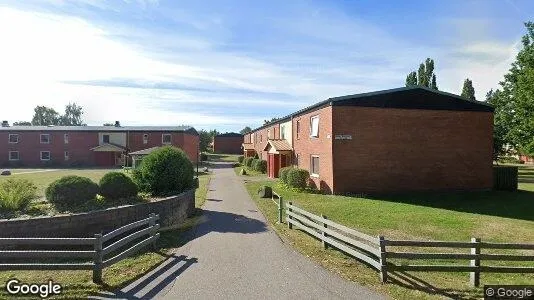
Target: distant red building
x,y
104,146
228,143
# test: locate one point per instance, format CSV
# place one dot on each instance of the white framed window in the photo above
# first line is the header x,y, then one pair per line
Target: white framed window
x,y
282,132
13,138
45,138
314,165
14,155
298,129
45,155
297,159
66,138
105,138
314,126
269,134
66,155
166,138
145,138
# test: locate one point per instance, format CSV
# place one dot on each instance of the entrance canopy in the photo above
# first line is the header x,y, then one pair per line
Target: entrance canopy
x,y
278,147
108,148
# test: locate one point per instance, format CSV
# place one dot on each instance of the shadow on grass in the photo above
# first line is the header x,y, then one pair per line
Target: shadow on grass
x,y
413,282
515,205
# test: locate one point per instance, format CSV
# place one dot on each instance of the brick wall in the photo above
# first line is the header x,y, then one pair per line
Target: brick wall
x,y
227,144
395,150
172,211
305,146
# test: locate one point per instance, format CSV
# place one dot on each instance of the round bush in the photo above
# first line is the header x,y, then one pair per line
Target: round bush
x,y
254,163
240,159
71,191
298,178
260,166
283,174
248,161
116,185
164,172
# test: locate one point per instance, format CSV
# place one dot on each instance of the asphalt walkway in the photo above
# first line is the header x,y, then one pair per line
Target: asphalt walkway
x,y
234,255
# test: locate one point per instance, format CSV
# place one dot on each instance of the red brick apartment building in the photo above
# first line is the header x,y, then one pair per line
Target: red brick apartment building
x,y
398,140
228,143
103,146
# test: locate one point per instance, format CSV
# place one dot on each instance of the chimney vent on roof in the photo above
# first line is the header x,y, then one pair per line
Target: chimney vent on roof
x,y
117,124
5,124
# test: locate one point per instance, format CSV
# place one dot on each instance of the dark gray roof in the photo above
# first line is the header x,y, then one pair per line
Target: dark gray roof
x,y
229,134
188,129
145,151
416,97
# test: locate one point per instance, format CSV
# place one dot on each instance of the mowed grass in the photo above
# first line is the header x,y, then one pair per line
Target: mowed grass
x,y
491,216
79,285
223,157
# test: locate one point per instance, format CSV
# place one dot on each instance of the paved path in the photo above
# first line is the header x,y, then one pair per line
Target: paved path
x,y
234,255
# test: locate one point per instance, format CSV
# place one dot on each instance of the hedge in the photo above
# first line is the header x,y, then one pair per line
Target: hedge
x,y
116,185
259,165
240,159
298,178
283,174
248,161
71,192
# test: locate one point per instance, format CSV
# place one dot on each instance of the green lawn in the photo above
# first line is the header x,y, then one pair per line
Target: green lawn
x,y
492,216
79,285
223,157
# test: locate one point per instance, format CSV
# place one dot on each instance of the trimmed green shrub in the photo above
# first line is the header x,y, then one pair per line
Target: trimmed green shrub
x,y
116,185
253,164
71,191
260,166
240,159
164,172
283,174
248,161
16,194
298,178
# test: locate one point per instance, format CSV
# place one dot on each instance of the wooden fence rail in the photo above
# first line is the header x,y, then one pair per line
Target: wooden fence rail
x,y
144,230
376,251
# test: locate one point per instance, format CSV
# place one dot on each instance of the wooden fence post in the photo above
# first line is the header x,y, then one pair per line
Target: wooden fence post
x,y
289,225
97,267
383,267
280,209
325,244
152,224
475,276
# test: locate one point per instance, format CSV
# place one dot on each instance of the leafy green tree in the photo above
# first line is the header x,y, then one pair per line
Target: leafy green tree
x,y
468,91
44,116
205,140
514,104
73,115
245,130
424,76
22,123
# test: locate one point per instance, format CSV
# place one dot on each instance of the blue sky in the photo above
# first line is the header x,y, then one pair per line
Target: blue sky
x,y
230,64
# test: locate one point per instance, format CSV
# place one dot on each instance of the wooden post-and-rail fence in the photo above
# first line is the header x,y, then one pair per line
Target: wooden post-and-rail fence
x,y
376,251
105,250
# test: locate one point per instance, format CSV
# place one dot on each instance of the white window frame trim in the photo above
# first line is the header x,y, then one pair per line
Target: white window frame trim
x,y
41,138
311,166
66,155
311,126
9,155
163,142
41,155
13,134
145,138
66,138
109,138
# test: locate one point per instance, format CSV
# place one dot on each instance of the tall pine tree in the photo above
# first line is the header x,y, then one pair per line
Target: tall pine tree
x,y
468,91
424,76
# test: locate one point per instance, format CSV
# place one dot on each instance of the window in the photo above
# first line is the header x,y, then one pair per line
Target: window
x,y
297,159
261,138
298,129
145,138
314,126
13,138
314,168
269,134
45,155
66,155
166,138
13,155
45,138
283,132
66,138
105,138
